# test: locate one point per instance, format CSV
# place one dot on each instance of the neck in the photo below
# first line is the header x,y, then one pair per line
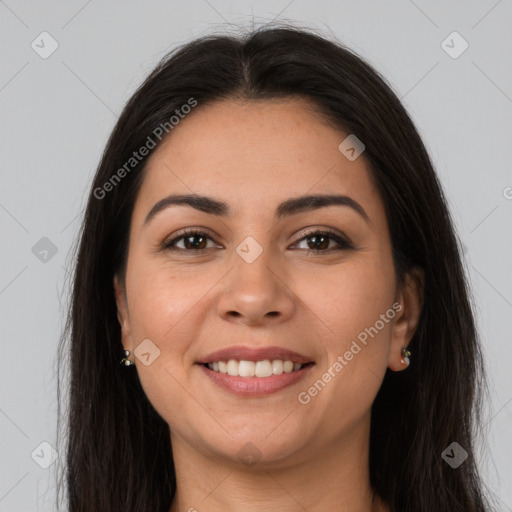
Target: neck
x,y
333,478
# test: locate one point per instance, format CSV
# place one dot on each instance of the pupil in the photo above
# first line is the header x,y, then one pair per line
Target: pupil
x,y
322,243
194,245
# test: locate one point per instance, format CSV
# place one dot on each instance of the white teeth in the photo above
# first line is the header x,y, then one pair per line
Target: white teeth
x,y
245,368
233,367
263,368
288,367
277,366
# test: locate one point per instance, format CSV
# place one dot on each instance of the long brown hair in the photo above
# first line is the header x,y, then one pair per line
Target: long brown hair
x,y
118,452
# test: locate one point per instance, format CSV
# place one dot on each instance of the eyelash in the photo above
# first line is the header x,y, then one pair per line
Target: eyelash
x,y
342,243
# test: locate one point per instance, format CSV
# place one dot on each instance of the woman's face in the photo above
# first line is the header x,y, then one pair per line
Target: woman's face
x,y
248,282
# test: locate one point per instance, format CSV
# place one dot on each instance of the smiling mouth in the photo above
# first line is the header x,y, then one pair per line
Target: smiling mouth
x,y
257,369
261,378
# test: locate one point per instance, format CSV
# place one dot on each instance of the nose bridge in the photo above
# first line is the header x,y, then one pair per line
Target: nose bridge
x,y
256,290
253,262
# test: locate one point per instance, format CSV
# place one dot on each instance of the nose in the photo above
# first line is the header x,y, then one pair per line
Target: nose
x,y
256,293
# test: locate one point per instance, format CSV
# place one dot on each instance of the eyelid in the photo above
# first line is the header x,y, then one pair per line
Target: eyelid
x,y
318,229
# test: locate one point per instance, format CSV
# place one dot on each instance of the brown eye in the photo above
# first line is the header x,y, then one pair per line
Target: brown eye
x,y
192,241
318,241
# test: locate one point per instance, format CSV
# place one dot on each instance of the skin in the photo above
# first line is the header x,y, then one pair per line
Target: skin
x,y
253,156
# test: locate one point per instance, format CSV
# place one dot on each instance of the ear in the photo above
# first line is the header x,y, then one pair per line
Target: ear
x,y
409,305
123,314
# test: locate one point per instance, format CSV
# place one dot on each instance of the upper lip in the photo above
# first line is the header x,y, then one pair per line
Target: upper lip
x,y
240,352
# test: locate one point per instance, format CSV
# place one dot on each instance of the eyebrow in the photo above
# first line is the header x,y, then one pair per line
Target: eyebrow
x,y
287,208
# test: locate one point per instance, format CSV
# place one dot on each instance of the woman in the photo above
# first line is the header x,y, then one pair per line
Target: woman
x,y
267,245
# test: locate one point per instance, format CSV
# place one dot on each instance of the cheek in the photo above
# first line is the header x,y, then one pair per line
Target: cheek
x,y
165,310
351,298
162,300
355,313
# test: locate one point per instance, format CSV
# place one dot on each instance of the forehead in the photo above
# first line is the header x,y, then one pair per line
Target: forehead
x,y
249,152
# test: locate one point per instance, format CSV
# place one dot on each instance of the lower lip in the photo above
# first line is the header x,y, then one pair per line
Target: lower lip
x,y
255,386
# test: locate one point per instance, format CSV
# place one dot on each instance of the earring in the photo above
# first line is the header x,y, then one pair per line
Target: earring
x,y
125,359
405,357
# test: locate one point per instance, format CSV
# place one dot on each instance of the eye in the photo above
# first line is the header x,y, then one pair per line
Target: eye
x,y
319,241
193,240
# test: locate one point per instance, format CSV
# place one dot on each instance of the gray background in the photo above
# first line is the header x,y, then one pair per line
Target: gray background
x,y
56,115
